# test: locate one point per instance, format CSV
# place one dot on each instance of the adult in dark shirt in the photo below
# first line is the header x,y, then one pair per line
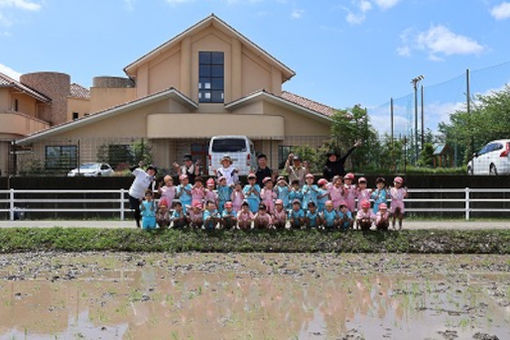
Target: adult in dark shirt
x,y
188,168
335,164
263,170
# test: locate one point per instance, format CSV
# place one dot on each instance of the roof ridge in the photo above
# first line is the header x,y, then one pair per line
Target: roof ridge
x,y
24,87
312,100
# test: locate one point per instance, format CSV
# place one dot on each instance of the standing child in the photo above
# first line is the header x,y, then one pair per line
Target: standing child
x,y
251,192
148,211
397,194
167,191
382,218
179,219
211,217
267,194
295,194
350,191
198,192
330,216
195,218
380,195
365,217
227,170
362,192
228,216
310,191
224,192
210,194
279,215
245,217
262,219
163,215
312,218
337,191
237,197
323,194
345,216
183,192
282,191
296,215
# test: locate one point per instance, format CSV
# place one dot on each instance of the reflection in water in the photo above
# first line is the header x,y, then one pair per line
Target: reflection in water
x,y
257,298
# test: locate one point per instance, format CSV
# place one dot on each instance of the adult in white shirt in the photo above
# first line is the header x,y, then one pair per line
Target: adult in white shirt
x,y
142,182
228,171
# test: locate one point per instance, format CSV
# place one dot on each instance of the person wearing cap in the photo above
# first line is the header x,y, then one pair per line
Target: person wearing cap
x,y
335,164
224,192
211,216
279,215
245,217
263,170
323,194
144,179
210,193
167,190
337,191
198,191
227,170
397,194
362,192
310,191
148,211
296,215
345,218
295,169
282,191
262,219
294,193
350,191
194,215
329,216
382,218
251,193
237,197
188,168
268,195
179,219
228,216
163,215
312,216
380,194
365,217
183,192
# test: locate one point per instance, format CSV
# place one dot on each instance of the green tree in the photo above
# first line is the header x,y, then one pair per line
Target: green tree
x,y
427,156
142,151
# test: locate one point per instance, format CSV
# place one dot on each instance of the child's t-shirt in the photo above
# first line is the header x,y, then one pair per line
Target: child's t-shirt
x,y
184,192
347,214
310,193
329,217
312,218
168,193
225,213
296,214
254,195
149,209
210,224
243,216
283,194
177,214
295,195
224,193
195,216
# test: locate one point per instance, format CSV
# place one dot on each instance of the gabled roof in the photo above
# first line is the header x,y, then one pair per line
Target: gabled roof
x,y
281,100
306,102
115,110
78,91
211,19
6,81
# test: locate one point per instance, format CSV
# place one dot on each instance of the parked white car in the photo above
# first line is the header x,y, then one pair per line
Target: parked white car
x,y
240,149
92,170
492,159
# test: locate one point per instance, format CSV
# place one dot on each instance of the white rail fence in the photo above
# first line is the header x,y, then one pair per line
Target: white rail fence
x,y
495,201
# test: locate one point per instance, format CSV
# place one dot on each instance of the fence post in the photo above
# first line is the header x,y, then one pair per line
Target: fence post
x,y
11,204
122,204
467,204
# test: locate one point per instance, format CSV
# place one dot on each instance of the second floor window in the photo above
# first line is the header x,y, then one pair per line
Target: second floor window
x,y
210,77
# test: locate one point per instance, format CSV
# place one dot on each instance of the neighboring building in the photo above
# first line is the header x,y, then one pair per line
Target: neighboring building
x,y
209,80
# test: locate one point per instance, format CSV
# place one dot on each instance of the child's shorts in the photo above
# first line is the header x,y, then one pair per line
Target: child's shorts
x,y
148,223
395,205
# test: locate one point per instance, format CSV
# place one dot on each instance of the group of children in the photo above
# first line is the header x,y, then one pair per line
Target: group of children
x,y
339,204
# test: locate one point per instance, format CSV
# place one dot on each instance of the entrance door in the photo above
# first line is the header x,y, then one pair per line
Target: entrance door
x,y
199,153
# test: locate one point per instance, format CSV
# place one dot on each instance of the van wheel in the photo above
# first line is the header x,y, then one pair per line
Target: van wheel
x,y
492,170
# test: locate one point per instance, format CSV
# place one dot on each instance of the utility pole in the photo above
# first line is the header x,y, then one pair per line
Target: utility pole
x,y
392,121
422,121
415,82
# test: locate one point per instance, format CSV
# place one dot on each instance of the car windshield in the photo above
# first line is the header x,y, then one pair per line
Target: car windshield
x,y
229,145
88,166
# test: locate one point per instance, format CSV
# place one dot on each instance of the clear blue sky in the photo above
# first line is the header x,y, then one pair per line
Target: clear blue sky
x,y
344,52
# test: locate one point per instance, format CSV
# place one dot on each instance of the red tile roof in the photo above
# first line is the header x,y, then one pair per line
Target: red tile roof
x,y
308,103
78,91
6,81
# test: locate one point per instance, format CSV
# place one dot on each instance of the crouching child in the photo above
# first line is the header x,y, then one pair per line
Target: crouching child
x,y
262,219
365,217
195,215
296,215
312,218
329,216
163,215
228,216
211,216
345,218
279,215
382,218
245,217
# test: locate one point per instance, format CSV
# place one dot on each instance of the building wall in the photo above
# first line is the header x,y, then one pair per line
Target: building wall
x,y
26,104
5,100
80,105
102,98
4,157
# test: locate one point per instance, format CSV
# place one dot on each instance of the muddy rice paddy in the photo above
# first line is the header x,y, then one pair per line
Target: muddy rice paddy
x,y
254,296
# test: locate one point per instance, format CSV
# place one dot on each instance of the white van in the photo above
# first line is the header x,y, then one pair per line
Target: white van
x,y
239,148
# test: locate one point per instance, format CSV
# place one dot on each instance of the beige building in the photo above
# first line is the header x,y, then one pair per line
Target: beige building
x,y
209,80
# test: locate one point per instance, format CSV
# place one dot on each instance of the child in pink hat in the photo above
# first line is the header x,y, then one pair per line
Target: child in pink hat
x,y
350,192
365,217
237,197
362,192
268,195
382,218
337,191
210,194
397,193
279,215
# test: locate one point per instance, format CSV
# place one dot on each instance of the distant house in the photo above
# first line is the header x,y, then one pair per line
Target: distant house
x,y
208,80
443,156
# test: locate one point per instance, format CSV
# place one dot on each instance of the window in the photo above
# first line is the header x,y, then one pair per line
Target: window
x,y
75,115
16,105
229,145
211,79
61,157
283,154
